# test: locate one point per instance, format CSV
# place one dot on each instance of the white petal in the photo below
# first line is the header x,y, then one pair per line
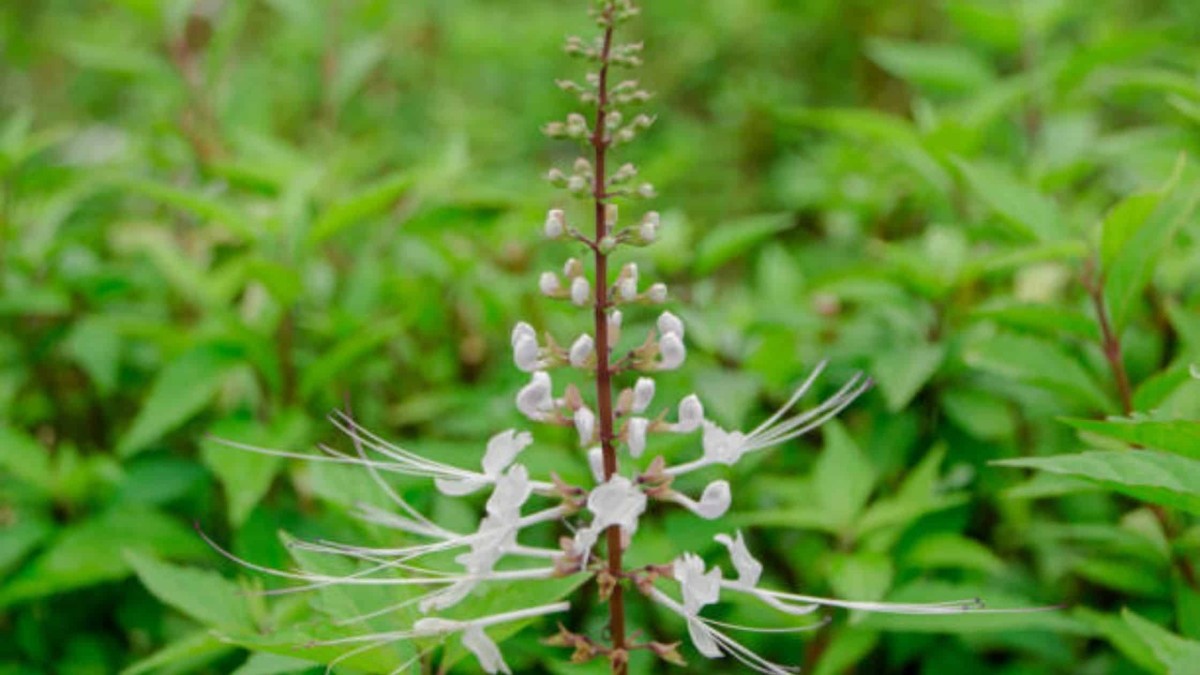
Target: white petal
x,y
581,350
580,291
556,222
535,400
502,449
699,588
702,639
636,435
669,323
673,353
512,490
435,625
596,463
458,487
715,500
722,447
522,329
748,568
526,352
616,502
643,394
485,650
585,424
691,415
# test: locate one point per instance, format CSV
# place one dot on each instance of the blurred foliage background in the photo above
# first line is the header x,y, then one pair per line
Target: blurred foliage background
x,y
232,218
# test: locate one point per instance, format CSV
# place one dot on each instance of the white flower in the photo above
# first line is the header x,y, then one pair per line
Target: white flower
x,y
549,284
627,283
669,323
643,393
722,447
691,415
585,424
581,350
580,291
748,568
556,223
615,503
512,490
535,400
670,347
657,293
485,650
636,435
527,353
502,449
714,501
699,588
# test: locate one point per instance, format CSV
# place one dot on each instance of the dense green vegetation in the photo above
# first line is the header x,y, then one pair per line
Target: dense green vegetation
x,y
231,218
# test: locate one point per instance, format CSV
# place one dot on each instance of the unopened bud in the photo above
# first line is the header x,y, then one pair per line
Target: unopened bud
x,y
614,326
572,268
691,414
669,323
576,184
585,424
549,284
636,435
580,290
657,293
673,353
646,191
556,223
648,230
643,393
627,282
581,350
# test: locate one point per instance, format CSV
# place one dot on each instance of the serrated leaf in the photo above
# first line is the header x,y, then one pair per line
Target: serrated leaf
x,y
1032,215
182,389
730,240
902,371
1181,437
200,594
1149,475
843,477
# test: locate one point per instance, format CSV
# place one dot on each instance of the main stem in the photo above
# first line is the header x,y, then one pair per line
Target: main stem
x,y
616,601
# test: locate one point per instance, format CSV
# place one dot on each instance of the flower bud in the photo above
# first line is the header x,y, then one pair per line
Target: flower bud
x,y
648,230
607,244
635,435
585,424
595,458
581,291
526,352
627,282
556,224
643,393
657,293
691,414
647,191
576,125
549,284
671,348
576,184
714,502
611,214
555,129
535,400
581,350
669,323
572,268
614,326
556,177
522,329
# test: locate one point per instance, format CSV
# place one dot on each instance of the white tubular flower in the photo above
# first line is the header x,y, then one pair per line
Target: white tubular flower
x,y
648,231
536,400
614,326
691,415
581,291
748,568
502,449
627,283
473,637
595,458
585,424
522,330
549,284
699,588
635,431
668,323
556,223
727,447
672,351
657,293
617,502
582,350
714,501
643,394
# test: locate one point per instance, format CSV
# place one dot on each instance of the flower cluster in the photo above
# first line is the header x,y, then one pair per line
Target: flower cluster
x,y
615,428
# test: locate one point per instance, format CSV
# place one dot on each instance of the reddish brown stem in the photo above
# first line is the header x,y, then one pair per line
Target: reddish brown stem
x,y
616,602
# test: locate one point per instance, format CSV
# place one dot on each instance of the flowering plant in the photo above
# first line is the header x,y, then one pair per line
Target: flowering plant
x,y
614,422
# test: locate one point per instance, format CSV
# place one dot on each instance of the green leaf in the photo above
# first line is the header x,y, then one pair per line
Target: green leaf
x,y
952,551
1037,362
95,344
273,664
1177,654
902,371
843,477
1181,437
1031,214
202,595
731,240
981,413
93,551
944,67
195,202
246,476
1149,475
187,654
25,459
363,205
1143,239
182,389
19,539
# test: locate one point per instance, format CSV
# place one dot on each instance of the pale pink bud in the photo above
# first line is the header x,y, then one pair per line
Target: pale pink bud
x,y
614,326
520,330
526,353
556,223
